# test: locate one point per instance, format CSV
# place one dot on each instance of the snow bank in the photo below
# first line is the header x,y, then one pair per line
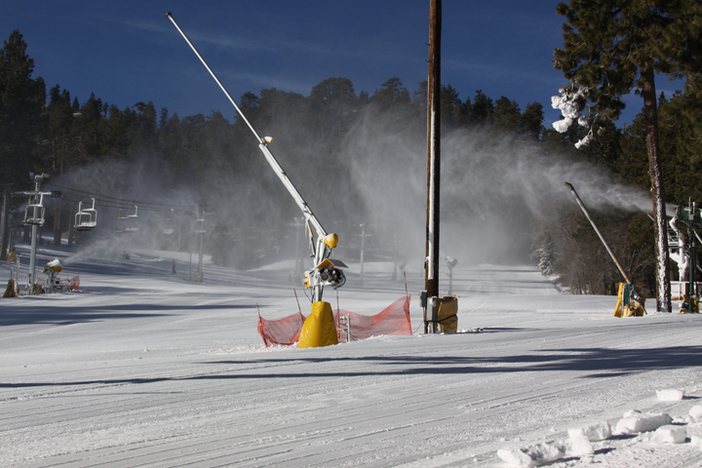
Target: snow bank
x,y
670,394
634,422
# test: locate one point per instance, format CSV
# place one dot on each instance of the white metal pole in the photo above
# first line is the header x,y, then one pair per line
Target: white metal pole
x,y
32,260
597,231
262,143
199,262
363,242
35,229
322,252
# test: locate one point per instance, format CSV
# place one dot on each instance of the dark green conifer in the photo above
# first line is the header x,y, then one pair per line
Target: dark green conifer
x,y
612,47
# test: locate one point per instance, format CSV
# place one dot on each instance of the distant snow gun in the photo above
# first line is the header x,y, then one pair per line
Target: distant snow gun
x,y
53,282
325,271
630,302
12,289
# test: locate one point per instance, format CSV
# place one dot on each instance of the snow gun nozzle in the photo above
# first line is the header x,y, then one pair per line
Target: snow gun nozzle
x,y
168,14
567,184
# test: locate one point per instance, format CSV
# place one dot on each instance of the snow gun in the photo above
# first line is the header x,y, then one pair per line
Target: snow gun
x,y
325,271
629,302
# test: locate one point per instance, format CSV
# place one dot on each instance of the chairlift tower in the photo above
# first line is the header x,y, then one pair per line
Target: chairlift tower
x,y
691,216
363,246
34,216
200,230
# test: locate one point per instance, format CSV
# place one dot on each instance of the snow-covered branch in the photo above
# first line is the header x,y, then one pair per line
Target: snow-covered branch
x,y
568,103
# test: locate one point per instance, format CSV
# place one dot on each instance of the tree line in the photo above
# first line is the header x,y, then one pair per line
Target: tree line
x,y
51,131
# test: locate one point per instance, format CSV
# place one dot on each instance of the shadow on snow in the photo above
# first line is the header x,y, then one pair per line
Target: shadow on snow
x,y
601,362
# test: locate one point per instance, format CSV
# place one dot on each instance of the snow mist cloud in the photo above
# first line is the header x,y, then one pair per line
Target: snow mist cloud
x,y
493,186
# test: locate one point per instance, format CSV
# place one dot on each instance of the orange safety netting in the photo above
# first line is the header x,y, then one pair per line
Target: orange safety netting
x,y
393,320
285,331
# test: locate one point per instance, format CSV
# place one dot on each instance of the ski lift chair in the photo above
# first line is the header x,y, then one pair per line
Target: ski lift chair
x,y
168,224
128,223
34,212
200,226
168,227
86,219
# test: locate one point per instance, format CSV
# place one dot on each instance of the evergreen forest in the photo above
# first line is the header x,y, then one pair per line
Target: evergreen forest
x,y
353,155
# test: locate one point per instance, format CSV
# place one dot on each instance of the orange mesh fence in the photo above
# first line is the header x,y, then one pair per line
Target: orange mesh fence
x,y
285,331
393,320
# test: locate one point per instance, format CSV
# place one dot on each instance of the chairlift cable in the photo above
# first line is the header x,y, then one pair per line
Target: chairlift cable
x,y
120,204
78,192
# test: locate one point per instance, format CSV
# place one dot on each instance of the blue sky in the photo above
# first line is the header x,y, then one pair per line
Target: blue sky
x,y
128,51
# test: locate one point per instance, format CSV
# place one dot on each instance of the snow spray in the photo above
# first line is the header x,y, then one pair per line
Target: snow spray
x,y
493,186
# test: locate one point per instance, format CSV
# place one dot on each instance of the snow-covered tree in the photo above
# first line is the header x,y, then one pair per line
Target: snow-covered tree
x,y
612,47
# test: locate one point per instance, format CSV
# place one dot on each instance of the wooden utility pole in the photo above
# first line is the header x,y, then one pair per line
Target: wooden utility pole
x,y
433,165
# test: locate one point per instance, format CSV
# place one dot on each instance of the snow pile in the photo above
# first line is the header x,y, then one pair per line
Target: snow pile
x,y
634,422
694,420
695,413
534,455
580,445
593,432
669,434
547,452
670,394
580,440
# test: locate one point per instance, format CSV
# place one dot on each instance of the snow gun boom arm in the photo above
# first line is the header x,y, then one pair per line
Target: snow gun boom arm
x,y
594,226
324,272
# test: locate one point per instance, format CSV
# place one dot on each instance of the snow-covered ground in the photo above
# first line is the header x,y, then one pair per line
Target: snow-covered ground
x,y
143,368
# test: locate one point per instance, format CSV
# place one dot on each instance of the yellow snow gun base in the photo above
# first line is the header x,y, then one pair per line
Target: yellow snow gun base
x,y
627,304
319,328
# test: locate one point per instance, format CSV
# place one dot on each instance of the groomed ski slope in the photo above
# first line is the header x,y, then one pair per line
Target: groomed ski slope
x,y
143,368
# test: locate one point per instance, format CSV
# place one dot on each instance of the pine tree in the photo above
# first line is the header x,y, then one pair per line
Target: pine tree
x,y
451,107
22,101
59,129
391,93
482,110
612,47
533,120
88,125
508,115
